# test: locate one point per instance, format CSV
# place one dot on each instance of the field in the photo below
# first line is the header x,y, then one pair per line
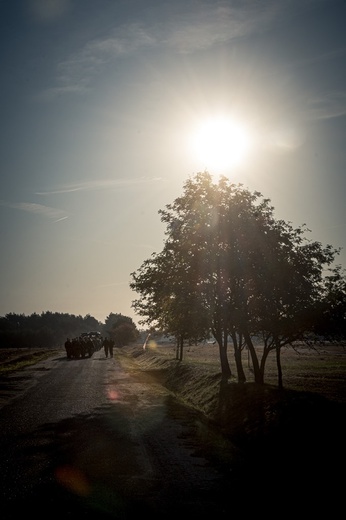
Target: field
x,y
12,359
321,369
265,428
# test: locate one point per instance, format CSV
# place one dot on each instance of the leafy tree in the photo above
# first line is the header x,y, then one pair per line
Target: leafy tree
x,y
121,329
331,324
195,238
286,288
167,302
229,267
124,334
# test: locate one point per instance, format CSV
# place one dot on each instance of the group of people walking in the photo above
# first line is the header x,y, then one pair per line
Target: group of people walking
x,y
84,345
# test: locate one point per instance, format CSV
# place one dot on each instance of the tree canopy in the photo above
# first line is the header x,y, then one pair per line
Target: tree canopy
x,y
120,329
231,269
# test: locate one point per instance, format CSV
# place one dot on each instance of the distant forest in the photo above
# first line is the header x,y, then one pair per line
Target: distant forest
x,y
51,329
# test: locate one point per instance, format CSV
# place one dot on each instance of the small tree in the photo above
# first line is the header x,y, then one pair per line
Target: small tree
x,y
168,299
121,329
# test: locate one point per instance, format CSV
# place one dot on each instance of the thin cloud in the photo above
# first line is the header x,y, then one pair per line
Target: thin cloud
x,y
99,185
327,106
38,209
75,74
60,219
220,24
192,30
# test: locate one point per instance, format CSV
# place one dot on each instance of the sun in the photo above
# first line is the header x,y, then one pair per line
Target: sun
x,y
220,143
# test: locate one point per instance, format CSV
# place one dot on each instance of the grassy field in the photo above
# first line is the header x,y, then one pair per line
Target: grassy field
x,y
12,359
269,431
321,369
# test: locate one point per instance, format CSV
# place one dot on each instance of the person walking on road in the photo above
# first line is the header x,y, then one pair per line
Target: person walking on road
x,y
106,346
110,346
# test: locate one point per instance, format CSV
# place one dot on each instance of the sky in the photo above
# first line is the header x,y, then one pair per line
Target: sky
x,y
109,106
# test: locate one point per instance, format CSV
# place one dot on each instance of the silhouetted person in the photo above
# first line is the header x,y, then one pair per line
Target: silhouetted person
x,y
111,346
68,347
106,346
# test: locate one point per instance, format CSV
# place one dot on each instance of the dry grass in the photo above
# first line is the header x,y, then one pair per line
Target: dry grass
x,y
14,359
320,369
300,424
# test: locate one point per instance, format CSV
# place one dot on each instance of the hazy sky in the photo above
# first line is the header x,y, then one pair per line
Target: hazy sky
x,y
100,102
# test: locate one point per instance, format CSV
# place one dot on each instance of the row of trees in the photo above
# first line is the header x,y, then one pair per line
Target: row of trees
x,y
50,329
231,269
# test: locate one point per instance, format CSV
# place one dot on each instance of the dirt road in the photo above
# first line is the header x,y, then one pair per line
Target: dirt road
x,y
101,438
93,438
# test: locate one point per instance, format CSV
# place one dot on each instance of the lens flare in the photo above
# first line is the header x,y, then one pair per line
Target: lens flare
x,y
73,479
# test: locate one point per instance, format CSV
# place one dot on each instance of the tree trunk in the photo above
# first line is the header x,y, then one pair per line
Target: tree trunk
x,y
181,349
239,365
221,340
258,375
265,354
225,368
178,353
278,364
237,358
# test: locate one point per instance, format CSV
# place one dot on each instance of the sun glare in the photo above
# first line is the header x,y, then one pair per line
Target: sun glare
x,y
220,143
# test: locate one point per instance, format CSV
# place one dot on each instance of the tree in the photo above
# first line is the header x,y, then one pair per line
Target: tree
x,y
195,237
167,297
229,267
124,334
287,285
331,324
121,329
